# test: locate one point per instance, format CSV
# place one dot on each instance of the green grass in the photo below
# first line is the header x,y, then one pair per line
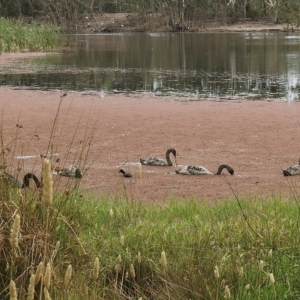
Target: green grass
x,y
19,36
200,241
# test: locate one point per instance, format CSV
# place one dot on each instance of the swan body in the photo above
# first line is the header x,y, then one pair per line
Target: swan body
x,y
22,185
200,170
71,171
293,170
155,161
125,174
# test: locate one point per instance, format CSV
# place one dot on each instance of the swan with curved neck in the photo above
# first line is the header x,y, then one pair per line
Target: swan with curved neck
x,y
292,170
200,170
22,185
155,161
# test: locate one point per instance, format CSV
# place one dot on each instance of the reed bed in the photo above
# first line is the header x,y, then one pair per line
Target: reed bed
x,y
19,36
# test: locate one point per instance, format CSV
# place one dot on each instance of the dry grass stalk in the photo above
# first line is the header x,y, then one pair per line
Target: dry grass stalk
x,y
48,183
14,238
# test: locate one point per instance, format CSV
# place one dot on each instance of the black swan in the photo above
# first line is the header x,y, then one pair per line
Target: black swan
x,y
71,172
199,170
293,170
125,174
154,161
13,180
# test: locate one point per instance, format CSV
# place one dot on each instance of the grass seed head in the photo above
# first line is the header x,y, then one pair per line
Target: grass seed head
x,y
241,272
227,292
163,260
96,268
14,238
30,295
46,294
261,265
271,278
12,291
47,277
68,276
122,240
216,272
139,257
132,271
39,272
270,253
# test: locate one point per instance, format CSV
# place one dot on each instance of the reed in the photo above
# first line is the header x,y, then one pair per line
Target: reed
x,y
19,36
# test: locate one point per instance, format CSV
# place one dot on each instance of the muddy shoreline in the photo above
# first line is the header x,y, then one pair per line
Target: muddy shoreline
x,y
258,139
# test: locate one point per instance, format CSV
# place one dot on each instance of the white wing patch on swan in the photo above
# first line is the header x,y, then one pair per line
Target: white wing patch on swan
x,y
155,161
194,170
294,170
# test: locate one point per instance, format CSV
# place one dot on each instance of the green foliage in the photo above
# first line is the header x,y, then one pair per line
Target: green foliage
x,y
69,15
18,36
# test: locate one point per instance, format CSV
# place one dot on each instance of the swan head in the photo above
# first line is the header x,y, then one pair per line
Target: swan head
x,y
173,151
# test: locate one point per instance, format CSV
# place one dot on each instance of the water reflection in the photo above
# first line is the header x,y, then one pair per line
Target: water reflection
x,y
199,65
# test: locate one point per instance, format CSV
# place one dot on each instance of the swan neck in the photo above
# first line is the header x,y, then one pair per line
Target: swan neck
x,y
169,161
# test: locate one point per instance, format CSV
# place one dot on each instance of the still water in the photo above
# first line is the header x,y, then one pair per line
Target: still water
x,y
197,65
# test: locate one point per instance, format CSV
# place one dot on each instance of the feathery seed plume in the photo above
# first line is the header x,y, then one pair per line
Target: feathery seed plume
x,y
216,272
14,237
270,253
271,277
163,260
132,271
96,268
12,291
261,265
68,276
39,272
30,295
139,257
122,240
139,171
47,276
46,294
227,292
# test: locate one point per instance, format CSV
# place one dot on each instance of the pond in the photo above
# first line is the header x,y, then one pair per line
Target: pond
x,y
195,65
